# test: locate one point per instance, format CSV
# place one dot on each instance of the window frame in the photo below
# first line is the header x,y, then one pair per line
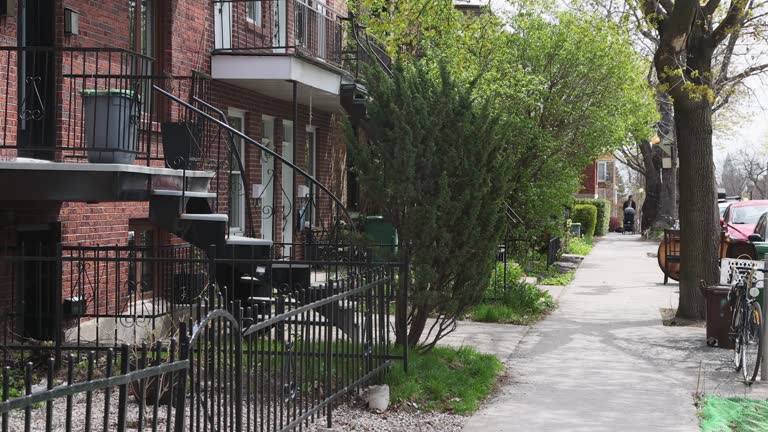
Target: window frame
x,y
234,171
254,10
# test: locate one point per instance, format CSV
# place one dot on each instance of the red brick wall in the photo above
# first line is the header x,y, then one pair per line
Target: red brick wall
x,y
188,33
589,180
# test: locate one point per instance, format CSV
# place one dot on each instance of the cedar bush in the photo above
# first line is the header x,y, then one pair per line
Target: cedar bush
x,y
586,215
603,213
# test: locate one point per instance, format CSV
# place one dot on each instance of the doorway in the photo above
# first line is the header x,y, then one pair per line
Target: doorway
x,y
288,194
222,15
37,282
36,79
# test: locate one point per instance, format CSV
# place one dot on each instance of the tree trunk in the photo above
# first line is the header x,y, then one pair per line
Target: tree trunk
x,y
418,324
668,185
698,210
652,186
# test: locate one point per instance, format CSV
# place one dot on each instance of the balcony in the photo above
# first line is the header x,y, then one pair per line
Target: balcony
x,y
266,45
81,124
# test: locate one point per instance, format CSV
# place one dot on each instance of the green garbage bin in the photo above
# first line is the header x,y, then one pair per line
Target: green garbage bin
x,y
383,238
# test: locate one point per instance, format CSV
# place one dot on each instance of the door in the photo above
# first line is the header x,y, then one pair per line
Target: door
x,y
267,179
279,32
237,191
37,283
37,79
321,30
311,153
222,15
287,183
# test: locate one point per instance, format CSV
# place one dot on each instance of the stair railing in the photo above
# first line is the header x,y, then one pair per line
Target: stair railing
x,y
238,158
232,133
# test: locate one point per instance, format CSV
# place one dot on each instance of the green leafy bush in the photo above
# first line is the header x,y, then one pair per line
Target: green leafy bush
x,y
586,215
498,279
521,304
603,214
580,246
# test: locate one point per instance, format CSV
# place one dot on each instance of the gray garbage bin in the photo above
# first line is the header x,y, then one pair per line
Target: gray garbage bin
x,y
111,122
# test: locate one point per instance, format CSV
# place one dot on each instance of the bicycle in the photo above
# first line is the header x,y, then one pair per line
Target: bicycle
x,y
746,324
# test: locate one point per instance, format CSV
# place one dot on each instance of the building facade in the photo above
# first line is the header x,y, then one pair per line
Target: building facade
x,y
115,131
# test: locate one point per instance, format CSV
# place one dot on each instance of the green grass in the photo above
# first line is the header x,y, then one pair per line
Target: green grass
x,y
733,414
522,304
580,246
555,278
445,380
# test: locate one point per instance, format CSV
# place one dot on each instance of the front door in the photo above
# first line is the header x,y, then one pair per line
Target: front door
x,y
37,282
237,190
37,79
268,179
287,183
222,15
279,40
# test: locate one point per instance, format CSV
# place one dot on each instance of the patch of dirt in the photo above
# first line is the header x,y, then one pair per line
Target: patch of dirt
x,y
668,318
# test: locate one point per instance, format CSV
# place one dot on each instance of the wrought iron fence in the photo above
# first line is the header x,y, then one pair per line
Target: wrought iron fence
x,y
554,250
84,103
275,27
237,366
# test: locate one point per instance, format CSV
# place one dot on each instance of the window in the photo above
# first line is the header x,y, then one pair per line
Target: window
x,y
253,12
604,171
237,191
142,18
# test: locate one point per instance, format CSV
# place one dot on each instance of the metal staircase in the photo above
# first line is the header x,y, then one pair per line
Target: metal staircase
x,y
247,268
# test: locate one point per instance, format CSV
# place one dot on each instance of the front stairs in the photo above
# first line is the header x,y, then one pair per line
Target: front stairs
x,y
190,215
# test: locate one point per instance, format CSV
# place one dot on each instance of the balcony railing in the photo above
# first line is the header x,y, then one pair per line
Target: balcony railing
x,y
77,104
309,28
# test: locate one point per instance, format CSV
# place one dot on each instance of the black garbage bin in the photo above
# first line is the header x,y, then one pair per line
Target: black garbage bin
x,y
718,316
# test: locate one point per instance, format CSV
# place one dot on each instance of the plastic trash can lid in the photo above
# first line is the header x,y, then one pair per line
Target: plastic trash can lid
x,y
110,92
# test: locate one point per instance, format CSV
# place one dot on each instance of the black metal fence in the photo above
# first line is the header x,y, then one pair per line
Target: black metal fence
x,y
84,103
239,365
554,250
513,257
272,27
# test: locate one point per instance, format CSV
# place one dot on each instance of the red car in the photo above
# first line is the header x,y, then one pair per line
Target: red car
x,y
740,218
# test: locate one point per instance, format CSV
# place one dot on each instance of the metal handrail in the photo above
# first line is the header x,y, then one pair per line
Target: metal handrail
x,y
236,153
261,147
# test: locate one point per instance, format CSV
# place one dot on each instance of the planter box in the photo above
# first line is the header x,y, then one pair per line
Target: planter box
x,y
181,144
74,306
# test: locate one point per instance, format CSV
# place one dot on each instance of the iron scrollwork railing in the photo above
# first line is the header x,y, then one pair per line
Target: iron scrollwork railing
x,y
337,215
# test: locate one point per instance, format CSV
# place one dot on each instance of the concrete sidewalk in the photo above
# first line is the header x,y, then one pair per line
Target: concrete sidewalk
x,y
604,362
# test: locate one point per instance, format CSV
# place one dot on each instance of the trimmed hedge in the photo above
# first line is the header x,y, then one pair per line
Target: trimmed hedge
x,y
586,215
603,214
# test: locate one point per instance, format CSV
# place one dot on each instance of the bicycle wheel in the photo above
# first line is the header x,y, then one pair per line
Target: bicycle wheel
x,y
752,347
735,335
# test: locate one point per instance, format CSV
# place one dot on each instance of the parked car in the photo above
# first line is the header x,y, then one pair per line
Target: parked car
x,y
721,206
759,237
740,218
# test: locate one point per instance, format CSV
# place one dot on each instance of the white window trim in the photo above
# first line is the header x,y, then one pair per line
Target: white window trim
x,y
238,113
259,8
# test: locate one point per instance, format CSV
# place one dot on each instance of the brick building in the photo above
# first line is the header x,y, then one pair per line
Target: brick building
x,y
599,180
85,138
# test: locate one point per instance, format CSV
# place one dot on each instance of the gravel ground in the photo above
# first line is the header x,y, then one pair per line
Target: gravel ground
x,y
349,417
354,417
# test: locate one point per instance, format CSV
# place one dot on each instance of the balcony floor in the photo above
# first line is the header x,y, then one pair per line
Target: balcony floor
x,y
27,179
272,75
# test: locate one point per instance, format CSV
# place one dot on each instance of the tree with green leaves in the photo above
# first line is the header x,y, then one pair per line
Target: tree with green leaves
x,y
436,165
562,91
696,44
